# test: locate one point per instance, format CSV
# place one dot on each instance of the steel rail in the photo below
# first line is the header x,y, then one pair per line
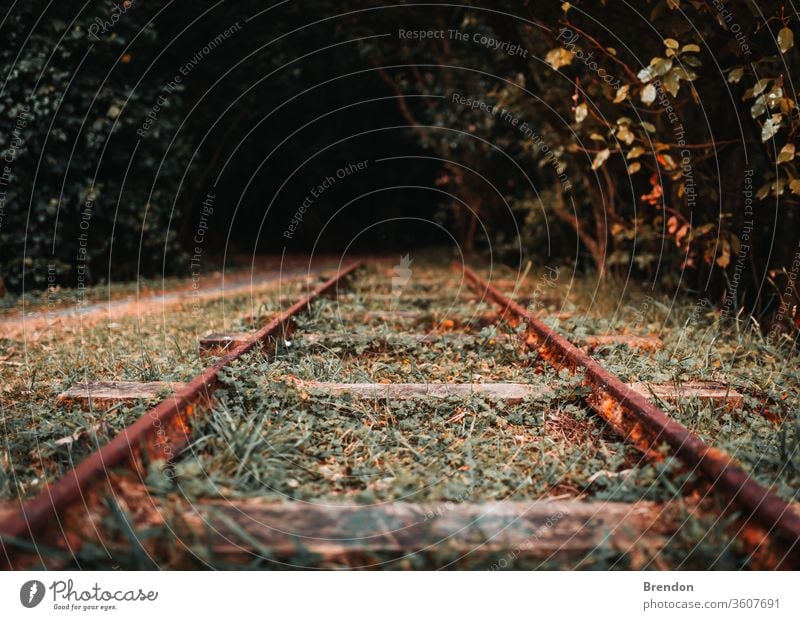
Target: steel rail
x,y
163,430
639,421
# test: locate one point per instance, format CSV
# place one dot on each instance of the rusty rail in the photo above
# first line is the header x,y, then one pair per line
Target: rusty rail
x,y
647,426
161,431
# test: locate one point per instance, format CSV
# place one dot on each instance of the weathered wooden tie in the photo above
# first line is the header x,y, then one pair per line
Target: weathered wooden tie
x,y
506,392
646,343
104,394
465,294
399,340
237,530
713,392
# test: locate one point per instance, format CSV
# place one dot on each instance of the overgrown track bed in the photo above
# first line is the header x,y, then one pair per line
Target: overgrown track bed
x,y
43,438
159,434
411,422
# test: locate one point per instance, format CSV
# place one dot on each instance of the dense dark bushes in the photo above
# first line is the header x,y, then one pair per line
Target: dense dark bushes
x,y
658,141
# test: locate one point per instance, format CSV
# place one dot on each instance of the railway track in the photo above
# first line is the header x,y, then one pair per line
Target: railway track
x,y
426,421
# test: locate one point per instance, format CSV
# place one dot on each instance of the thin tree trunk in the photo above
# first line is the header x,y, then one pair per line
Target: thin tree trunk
x,y
596,250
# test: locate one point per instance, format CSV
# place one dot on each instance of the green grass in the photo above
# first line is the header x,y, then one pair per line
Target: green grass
x,y
35,446
264,437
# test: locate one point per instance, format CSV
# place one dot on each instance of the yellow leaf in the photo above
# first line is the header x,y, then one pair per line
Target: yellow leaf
x,y
558,57
735,75
625,134
621,94
785,40
581,112
787,153
671,83
671,44
760,86
795,187
660,65
649,127
724,259
600,158
648,95
665,160
771,126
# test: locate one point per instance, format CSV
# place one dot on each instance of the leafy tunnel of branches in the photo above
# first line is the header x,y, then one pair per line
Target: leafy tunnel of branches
x,y
654,139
